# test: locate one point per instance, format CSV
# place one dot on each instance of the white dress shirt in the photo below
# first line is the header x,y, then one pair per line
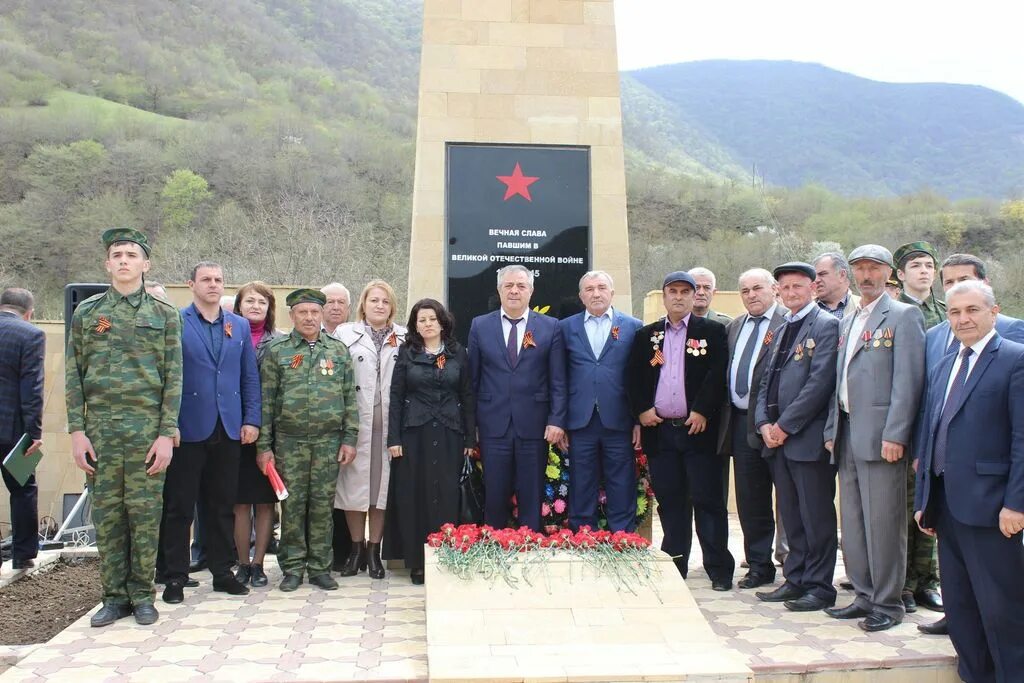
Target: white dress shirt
x,y
598,328
972,360
859,322
743,402
506,327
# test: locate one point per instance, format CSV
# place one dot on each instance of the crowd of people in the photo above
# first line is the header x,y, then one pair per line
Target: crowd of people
x,y
916,403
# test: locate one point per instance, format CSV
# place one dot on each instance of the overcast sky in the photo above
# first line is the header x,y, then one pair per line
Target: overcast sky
x,y
979,42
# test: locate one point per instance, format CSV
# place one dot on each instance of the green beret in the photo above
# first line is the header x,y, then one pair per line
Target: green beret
x,y
115,235
913,250
306,296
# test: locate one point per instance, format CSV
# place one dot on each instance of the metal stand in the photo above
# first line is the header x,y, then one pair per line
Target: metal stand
x,y
55,542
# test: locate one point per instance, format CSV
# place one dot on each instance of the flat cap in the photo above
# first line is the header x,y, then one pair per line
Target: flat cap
x,y
115,235
305,296
913,250
679,276
871,252
795,267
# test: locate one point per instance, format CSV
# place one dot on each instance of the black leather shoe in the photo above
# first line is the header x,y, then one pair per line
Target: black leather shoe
x,y
145,614
909,604
108,614
259,577
22,564
230,585
188,583
191,583
356,561
290,582
851,611
417,577
936,628
809,603
786,591
681,566
324,582
375,568
173,593
876,621
243,574
754,579
721,585
846,585
930,598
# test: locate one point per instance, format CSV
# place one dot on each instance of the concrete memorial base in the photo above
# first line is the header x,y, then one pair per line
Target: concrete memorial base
x,y
572,626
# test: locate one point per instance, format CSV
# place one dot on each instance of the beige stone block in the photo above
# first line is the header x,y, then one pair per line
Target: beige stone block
x,y
487,10
571,83
442,9
604,109
607,179
503,81
433,104
491,57
554,132
521,11
527,35
450,80
462,105
598,12
427,204
434,56
590,36
492,106
502,130
556,11
453,32
544,106
571,59
446,129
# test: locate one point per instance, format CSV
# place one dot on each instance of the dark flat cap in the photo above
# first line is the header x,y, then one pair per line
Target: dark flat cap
x,y
305,296
115,235
679,276
913,250
871,252
795,267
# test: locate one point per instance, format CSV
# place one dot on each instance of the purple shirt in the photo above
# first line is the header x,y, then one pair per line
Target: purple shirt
x,y
670,397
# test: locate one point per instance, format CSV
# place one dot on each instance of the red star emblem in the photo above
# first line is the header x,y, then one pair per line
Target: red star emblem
x,y
517,183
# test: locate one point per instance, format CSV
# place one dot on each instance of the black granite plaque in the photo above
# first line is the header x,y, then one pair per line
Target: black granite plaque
x,y
516,204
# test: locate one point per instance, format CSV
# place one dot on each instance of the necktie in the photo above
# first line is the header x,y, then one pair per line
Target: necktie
x,y
513,341
954,344
939,454
743,371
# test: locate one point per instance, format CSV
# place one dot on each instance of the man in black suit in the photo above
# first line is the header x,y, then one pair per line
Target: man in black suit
x,y
22,352
792,407
677,388
970,486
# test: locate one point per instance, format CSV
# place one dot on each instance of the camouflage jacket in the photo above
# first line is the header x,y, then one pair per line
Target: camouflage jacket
x,y
307,393
123,361
934,310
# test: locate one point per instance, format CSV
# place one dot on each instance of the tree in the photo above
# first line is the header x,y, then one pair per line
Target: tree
x,y
184,195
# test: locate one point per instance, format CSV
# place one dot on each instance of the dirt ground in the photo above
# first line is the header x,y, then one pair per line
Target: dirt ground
x,y
35,608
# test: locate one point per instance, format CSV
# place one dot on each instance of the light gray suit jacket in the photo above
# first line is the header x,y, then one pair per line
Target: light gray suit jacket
x,y
884,383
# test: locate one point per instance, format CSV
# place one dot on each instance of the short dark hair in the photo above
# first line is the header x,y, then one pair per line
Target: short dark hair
x,y
412,336
965,260
205,264
18,298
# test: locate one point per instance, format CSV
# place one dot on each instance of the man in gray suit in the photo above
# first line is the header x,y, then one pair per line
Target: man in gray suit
x,y
792,408
879,380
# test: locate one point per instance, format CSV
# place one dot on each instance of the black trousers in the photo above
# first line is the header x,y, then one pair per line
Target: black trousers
x,y
806,494
24,513
341,541
753,498
208,471
682,469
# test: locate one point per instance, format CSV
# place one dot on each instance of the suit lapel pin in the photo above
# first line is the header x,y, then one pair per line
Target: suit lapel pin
x,y
296,361
440,361
528,342
103,324
768,338
227,330
615,333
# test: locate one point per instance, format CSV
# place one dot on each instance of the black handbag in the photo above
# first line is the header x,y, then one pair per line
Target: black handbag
x,y
471,493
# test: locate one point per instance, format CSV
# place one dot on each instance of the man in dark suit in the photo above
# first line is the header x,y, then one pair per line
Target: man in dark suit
x,y
22,352
677,388
792,407
220,410
970,487
737,435
517,363
602,432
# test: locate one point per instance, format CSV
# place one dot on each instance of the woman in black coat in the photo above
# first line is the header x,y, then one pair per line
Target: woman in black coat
x,y
431,426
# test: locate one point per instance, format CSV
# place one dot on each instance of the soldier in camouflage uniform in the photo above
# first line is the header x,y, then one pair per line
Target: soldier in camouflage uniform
x,y
916,267
123,384
310,424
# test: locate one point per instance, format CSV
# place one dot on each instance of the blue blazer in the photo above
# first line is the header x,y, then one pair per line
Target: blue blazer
x,y
22,358
228,386
935,338
529,396
598,381
985,442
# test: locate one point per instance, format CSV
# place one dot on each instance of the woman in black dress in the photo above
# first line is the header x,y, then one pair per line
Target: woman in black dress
x,y
431,425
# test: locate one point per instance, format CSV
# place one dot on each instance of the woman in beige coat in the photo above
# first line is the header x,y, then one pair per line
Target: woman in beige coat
x,y
362,491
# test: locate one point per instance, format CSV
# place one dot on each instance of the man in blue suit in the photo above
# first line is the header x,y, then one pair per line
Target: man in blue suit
x,y
970,486
517,364
220,410
602,432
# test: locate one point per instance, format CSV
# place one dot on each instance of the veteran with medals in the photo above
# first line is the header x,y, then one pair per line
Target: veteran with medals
x,y
310,425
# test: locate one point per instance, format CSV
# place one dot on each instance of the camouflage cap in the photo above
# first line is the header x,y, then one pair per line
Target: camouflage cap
x,y
115,235
894,281
871,252
913,250
305,296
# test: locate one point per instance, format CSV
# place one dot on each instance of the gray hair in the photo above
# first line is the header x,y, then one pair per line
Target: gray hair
x,y
839,262
595,274
768,278
205,264
965,260
502,272
973,286
701,270
17,300
336,287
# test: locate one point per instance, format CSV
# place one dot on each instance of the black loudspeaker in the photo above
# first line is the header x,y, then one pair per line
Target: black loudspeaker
x,y
74,294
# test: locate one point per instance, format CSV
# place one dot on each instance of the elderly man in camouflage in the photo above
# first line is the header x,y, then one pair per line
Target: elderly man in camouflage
x,y
310,424
123,384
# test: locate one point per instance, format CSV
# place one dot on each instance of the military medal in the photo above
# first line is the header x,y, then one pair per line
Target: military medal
x,y
693,347
393,339
615,333
323,367
296,361
103,325
878,339
227,330
659,357
887,337
703,347
866,336
809,345
798,352
440,361
528,340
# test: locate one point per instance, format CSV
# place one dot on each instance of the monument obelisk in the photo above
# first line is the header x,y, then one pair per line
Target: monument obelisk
x,y
519,154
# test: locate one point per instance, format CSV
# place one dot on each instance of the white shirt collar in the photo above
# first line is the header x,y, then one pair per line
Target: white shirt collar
x,y
767,315
526,314
871,306
801,314
610,313
979,346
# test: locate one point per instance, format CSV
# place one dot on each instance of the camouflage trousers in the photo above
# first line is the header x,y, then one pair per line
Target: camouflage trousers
x,y
922,552
126,508
309,468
